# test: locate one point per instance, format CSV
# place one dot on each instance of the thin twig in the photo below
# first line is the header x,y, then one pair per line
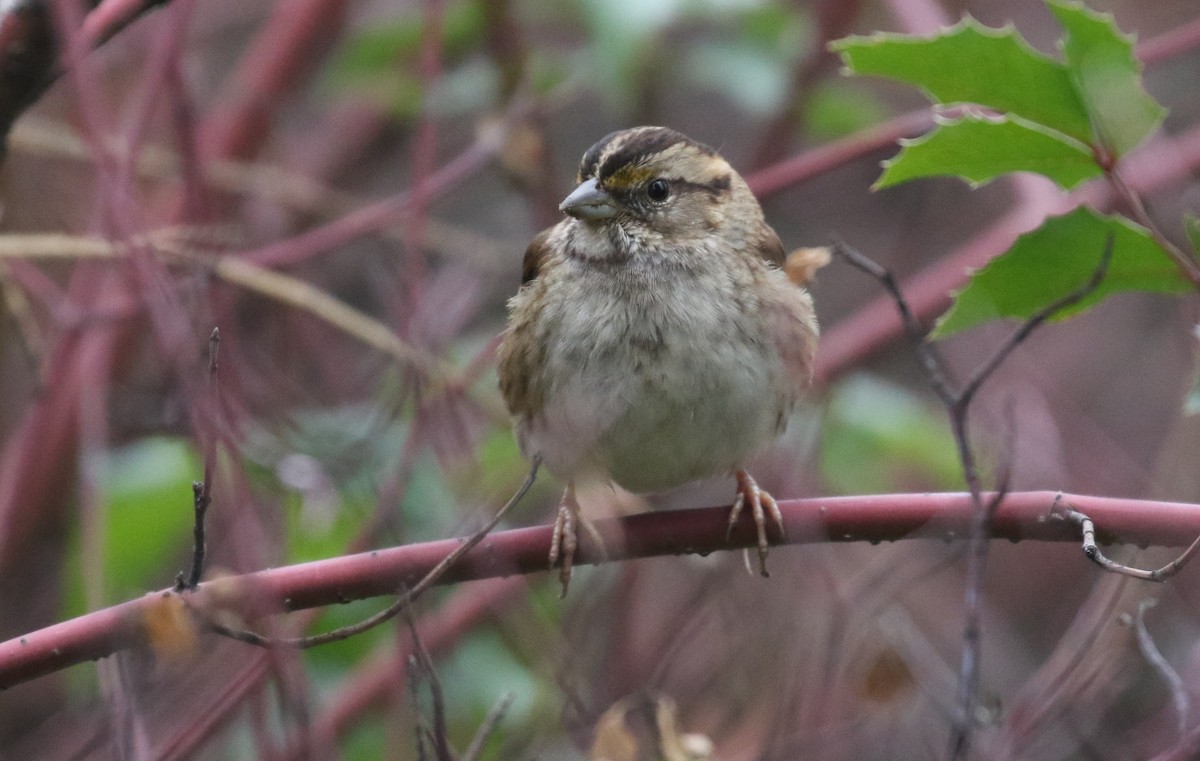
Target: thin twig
x,y
424,667
299,192
1035,320
405,599
930,361
1187,264
1093,553
1154,656
420,727
279,286
202,490
957,403
488,727
30,335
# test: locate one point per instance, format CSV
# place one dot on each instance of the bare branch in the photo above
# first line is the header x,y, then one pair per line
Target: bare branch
x,y
405,599
930,362
1093,553
420,725
178,246
1023,516
957,403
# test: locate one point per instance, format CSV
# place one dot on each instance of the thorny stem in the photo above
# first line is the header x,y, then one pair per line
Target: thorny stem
x,y
957,403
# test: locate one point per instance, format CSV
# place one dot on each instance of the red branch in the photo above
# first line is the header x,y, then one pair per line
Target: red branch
x,y
375,677
824,158
1022,516
110,17
273,63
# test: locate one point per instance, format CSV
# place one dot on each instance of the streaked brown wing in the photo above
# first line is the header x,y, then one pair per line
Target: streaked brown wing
x,y
521,355
770,248
535,256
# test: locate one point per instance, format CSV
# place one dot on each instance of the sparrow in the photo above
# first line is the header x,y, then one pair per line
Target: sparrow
x,y
655,339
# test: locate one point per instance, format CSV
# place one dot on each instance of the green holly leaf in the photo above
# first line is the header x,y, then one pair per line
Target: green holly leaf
x,y
972,63
979,149
877,437
1054,260
1107,77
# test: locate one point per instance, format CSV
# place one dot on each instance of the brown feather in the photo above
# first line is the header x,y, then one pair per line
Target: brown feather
x,y
535,256
770,248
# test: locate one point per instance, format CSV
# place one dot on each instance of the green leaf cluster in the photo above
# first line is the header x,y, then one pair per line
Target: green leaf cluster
x,y
381,62
146,521
1052,112
1018,110
1044,265
877,435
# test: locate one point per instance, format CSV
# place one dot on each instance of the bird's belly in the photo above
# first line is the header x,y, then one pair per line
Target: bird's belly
x,y
677,433
651,418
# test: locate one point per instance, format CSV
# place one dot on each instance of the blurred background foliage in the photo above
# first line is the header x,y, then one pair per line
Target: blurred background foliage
x,y
327,447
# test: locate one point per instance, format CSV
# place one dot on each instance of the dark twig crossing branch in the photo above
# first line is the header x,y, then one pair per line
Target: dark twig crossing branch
x,y
202,490
957,402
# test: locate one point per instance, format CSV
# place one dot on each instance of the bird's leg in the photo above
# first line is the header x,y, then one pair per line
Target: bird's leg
x,y
748,493
565,540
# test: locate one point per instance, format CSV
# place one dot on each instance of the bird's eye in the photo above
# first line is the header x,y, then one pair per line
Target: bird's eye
x,y
658,190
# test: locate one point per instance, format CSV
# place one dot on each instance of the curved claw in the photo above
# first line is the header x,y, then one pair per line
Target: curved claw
x,y
749,493
564,541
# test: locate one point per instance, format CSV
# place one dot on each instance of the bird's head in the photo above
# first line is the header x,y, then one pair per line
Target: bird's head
x,y
653,182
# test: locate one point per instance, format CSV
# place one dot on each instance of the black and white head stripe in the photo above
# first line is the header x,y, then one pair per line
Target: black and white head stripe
x,y
630,147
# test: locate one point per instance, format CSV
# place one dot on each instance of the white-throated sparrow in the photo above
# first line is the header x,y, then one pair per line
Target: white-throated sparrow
x,y
655,340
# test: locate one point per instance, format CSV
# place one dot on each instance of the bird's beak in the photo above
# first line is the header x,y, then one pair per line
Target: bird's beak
x,y
589,202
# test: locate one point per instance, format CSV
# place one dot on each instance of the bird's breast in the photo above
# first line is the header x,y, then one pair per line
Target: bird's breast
x,y
657,383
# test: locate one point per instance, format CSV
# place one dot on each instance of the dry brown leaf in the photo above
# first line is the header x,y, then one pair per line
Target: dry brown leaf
x,y
170,629
802,264
643,727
